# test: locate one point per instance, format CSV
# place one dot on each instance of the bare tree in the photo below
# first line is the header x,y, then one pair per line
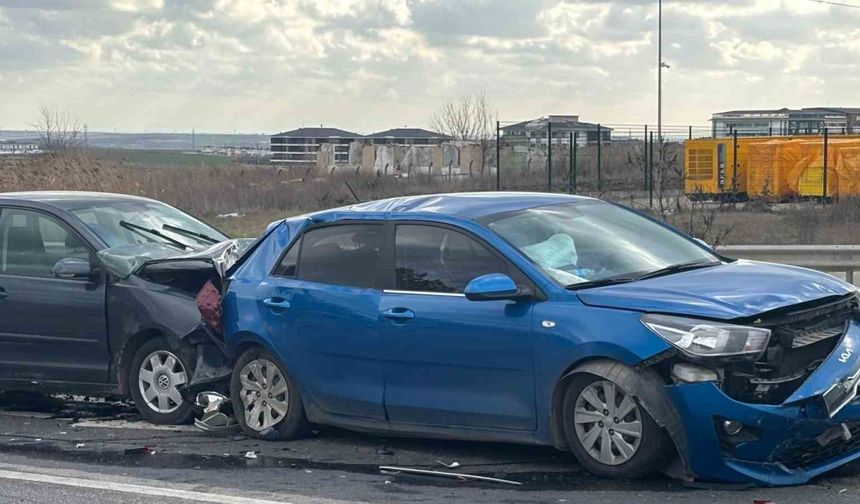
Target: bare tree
x,y
471,118
59,132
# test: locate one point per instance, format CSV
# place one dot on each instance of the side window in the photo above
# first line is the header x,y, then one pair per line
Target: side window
x,y
287,267
31,243
435,259
341,255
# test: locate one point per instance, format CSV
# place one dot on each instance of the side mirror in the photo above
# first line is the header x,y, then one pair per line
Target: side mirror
x,y
494,286
72,267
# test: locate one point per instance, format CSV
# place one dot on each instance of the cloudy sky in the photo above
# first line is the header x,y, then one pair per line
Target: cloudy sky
x,y
366,65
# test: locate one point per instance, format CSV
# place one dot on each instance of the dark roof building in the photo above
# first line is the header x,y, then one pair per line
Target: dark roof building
x,y
536,130
300,146
408,136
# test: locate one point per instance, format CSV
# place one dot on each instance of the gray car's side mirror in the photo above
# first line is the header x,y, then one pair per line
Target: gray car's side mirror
x,y
494,286
72,267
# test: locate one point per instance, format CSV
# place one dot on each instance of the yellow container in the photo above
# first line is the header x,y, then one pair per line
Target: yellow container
x,y
709,166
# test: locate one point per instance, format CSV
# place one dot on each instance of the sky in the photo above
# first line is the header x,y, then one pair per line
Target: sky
x,y
262,66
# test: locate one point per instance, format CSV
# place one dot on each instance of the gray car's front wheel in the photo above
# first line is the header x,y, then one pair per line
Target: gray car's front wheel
x,y
609,432
156,375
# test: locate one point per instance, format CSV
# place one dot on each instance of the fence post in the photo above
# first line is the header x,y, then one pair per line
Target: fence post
x,y
549,155
734,164
599,175
498,158
570,165
575,150
770,130
824,178
690,135
651,171
646,157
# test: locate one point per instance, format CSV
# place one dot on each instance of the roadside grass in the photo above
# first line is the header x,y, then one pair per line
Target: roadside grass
x,y
246,225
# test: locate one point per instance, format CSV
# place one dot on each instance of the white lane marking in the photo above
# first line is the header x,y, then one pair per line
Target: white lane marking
x,y
132,489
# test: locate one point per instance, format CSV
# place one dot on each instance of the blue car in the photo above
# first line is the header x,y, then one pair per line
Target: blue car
x,y
549,320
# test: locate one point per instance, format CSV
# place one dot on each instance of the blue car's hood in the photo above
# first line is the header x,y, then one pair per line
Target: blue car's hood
x,y
735,290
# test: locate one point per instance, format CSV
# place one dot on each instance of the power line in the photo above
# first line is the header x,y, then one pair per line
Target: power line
x,y
838,4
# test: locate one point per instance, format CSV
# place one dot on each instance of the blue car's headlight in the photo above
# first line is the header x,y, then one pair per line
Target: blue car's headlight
x,y
704,338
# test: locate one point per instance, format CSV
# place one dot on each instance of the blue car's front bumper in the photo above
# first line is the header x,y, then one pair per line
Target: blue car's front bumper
x,y
781,449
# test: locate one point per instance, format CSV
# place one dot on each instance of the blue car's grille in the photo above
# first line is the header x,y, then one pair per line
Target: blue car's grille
x,y
803,453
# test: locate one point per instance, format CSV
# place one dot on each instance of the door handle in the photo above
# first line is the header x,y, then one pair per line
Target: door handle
x,y
276,303
399,314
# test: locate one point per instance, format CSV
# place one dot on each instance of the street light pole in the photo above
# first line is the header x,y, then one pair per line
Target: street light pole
x,y
659,71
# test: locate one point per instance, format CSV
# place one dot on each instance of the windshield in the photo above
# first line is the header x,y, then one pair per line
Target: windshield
x,y
593,241
134,222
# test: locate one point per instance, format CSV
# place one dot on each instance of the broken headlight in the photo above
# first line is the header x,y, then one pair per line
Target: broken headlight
x,y
704,338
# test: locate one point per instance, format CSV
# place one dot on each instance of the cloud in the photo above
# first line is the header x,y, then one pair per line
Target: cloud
x,y
369,64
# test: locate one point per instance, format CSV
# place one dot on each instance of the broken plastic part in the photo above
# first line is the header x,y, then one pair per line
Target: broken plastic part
x,y
213,419
125,260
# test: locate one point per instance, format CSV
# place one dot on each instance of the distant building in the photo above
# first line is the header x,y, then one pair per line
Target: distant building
x,y
300,146
407,136
784,121
535,131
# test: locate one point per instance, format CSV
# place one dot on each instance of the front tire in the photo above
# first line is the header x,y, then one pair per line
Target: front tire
x,y
609,431
265,399
156,374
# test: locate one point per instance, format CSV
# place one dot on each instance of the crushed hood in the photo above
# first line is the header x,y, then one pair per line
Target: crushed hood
x,y
735,290
126,260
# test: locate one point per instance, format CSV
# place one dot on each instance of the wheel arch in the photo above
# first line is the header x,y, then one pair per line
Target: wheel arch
x,y
647,388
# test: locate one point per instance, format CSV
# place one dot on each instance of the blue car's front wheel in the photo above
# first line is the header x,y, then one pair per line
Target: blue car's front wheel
x,y
265,399
609,432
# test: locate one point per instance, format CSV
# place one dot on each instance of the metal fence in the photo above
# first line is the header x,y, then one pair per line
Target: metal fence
x,y
830,258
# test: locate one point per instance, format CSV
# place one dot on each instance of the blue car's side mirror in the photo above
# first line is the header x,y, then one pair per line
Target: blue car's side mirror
x,y
494,286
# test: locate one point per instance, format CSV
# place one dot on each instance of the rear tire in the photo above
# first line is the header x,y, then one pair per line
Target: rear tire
x,y
156,373
266,401
609,432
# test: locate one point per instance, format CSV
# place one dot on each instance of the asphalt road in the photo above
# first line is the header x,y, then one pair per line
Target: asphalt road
x,y
101,453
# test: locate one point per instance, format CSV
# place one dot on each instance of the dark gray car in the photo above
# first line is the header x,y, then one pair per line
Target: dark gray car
x,y
97,296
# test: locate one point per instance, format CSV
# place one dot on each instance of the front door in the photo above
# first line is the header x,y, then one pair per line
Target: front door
x,y
320,310
451,361
50,328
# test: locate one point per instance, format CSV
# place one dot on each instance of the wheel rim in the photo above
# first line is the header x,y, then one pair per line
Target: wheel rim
x,y
608,423
160,377
265,394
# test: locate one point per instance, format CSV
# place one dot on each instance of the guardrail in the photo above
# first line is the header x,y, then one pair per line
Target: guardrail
x,y
829,258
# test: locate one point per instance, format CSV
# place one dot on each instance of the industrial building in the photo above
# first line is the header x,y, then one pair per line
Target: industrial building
x,y
785,121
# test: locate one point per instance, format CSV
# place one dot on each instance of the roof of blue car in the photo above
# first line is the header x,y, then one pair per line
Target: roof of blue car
x,y
465,205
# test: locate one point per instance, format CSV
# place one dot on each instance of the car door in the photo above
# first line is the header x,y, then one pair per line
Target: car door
x,y
450,361
320,307
51,328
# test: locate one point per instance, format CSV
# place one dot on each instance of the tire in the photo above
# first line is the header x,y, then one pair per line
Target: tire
x,y
642,447
155,374
266,401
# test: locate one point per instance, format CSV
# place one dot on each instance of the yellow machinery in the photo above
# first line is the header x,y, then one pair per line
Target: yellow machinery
x,y
773,168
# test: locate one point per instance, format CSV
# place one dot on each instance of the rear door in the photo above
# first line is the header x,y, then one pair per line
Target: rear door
x,y
50,328
320,308
450,361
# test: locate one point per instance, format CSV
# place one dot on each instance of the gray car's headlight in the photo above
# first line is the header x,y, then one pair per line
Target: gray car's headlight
x,y
703,338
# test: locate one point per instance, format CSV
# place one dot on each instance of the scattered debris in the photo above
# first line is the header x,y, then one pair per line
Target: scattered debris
x,y
426,472
250,455
843,490
452,465
80,445
217,413
142,450
384,450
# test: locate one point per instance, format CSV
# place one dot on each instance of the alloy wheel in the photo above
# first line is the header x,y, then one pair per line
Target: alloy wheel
x,y
159,379
265,394
608,423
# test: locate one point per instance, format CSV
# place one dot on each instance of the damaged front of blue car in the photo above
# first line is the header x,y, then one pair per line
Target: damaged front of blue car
x,y
763,369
